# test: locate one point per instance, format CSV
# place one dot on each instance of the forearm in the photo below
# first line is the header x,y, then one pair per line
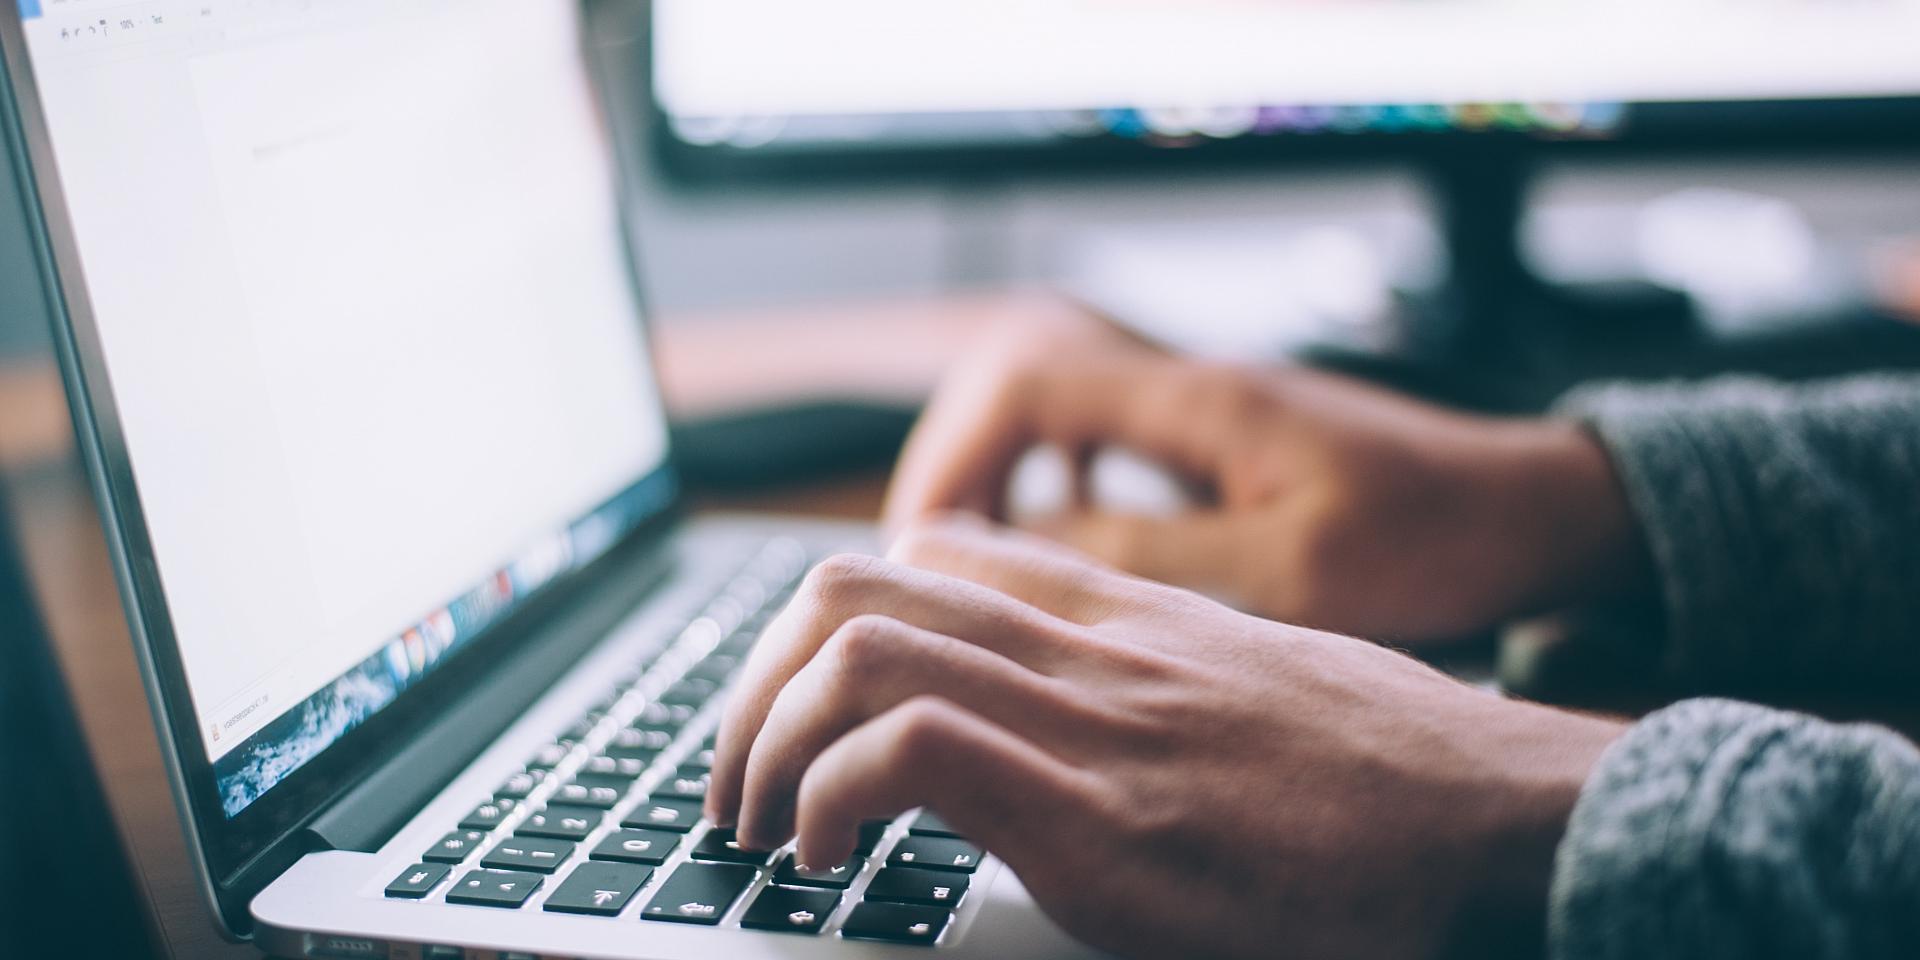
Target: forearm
x,y
1719,829
1782,523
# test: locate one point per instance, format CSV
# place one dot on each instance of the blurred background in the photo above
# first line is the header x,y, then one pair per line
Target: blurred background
x,y
1481,201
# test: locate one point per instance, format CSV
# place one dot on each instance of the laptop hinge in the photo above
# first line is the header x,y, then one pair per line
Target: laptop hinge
x,y
367,816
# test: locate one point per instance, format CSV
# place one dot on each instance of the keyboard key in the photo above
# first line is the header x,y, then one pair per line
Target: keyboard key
x,y
719,845
494,888
454,847
624,768
701,759
418,880
520,784
716,668
839,876
699,893
936,853
631,742
928,824
687,783
559,822
663,716
934,888
871,832
590,790
528,853
488,815
690,692
794,911
598,889
664,814
650,847
550,756
895,922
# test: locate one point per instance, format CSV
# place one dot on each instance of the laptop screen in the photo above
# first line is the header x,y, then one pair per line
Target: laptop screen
x,y
361,290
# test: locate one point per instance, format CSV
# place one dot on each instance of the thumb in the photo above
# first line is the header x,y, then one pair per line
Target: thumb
x,y
1198,549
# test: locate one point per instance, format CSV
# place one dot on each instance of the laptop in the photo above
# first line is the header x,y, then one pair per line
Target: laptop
x,y
349,324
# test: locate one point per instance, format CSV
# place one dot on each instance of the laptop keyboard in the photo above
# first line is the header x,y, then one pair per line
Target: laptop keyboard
x,y
606,820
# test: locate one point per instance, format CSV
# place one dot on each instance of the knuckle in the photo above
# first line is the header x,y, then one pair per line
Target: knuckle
x,y
835,581
922,727
864,643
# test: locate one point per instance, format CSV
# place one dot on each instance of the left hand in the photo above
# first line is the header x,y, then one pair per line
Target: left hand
x,y
1168,777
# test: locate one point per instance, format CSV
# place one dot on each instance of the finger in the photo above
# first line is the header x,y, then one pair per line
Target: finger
x,y
965,447
1196,549
1032,569
996,788
841,588
869,666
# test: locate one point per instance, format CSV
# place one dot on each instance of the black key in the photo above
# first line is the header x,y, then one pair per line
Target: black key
x,y
559,822
699,893
631,742
719,845
583,728
598,889
928,824
687,783
896,922
494,888
870,833
592,790
550,756
519,785
934,888
716,668
528,853
690,692
701,759
794,911
418,880
488,815
663,716
936,853
454,847
664,814
624,768
838,876
649,847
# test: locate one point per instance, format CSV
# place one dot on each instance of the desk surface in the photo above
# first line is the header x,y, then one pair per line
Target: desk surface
x,y
711,364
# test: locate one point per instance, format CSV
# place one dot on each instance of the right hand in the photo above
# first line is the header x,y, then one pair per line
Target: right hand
x,y
1327,502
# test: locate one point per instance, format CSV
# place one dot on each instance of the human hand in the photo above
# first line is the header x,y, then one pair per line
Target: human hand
x,y
1325,501
1166,776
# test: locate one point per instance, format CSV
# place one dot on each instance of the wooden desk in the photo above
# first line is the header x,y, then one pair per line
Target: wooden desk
x,y
712,364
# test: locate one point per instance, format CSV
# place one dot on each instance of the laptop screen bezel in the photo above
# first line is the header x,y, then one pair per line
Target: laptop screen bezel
x,y
226,848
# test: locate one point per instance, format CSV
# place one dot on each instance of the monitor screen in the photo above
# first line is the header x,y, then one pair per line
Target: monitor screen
x,y
839,75
364,301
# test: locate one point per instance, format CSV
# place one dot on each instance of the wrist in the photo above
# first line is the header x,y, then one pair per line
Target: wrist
x,y
1542,763
1581,540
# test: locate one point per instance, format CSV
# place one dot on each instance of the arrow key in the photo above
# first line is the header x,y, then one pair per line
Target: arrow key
x,y
598,889
792,911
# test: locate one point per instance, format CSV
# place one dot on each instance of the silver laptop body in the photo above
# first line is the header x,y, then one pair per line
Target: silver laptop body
x,y
346,314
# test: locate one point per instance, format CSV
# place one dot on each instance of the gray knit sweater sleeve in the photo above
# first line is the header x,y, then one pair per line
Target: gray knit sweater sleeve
x,y
1784,524
1716,829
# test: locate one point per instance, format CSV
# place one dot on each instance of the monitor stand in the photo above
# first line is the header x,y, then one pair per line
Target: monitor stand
x,y
1495,336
